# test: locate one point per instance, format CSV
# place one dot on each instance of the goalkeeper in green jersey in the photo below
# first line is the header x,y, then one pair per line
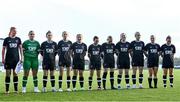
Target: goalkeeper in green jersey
x,y
31,50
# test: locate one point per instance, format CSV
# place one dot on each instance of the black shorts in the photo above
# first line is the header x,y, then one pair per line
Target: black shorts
x,y
47,65
109,64
151,63
11,64
123,63
64,62
78,64
138,62
167,64
95,65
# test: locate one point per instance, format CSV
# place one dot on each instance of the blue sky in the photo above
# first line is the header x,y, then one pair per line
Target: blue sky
x,y
92,17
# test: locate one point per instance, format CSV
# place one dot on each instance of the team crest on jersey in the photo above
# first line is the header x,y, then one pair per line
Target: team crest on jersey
x,y
16,41
82,47
172,49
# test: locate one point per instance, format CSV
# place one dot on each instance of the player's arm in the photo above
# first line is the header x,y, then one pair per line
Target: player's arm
x,y
56,49
161,52
42,49
174,51
89,52
59,48
71,50
116,50
3,54
20,50
145,51
21,53
131,49
38,48
3,50
85,50
102,51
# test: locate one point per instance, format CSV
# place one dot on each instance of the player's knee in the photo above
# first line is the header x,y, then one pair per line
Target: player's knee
x,y
81,74
98,74
126,72
150,75
51,73
8,72
91,73
45,73
120,71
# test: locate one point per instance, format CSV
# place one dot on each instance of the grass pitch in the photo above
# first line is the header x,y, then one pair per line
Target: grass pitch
x,y
160,94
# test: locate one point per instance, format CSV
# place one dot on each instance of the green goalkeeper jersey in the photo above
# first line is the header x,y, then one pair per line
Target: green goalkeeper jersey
x,y
31,48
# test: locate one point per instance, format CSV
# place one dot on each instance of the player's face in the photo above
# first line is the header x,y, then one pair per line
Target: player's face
x,y
137,36
49,36
79,38
96,41
152,39
13,32
31,36
110,39
168,40
65,35
123,37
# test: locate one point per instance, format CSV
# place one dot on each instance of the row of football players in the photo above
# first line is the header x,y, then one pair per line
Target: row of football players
x,y
30,49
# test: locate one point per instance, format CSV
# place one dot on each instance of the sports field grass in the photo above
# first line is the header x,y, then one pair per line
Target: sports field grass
x,y
160,94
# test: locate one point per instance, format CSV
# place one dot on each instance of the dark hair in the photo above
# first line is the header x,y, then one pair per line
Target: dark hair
x,y
95,37
168,37
48,32
137,33
12,28
110,36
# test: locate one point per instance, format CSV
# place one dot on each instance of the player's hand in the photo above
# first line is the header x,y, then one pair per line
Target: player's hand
x,y
21,61
89,55
67,56
81,56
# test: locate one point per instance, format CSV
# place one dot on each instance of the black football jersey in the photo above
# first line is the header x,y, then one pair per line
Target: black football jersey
x,y
137,48
49,50
95,52
63,48
152,50
168,51
108,50
123,49
79,50
12,48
